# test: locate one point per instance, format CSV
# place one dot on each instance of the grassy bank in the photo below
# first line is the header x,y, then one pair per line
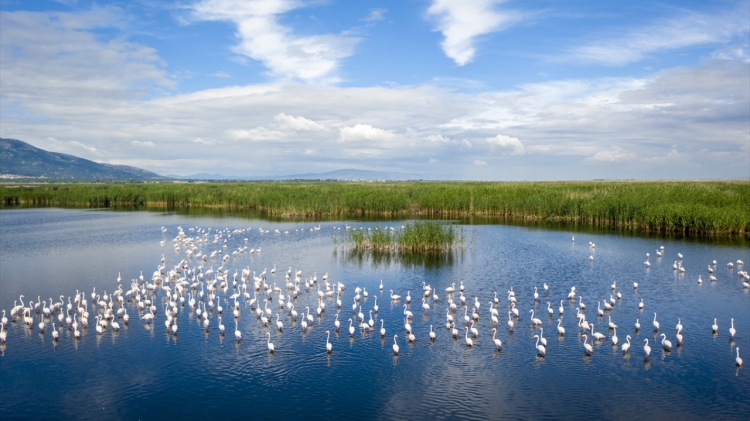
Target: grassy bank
x,y
684,206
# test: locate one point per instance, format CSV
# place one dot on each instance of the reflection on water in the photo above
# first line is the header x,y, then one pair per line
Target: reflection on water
x,y
736,240
407,259
145,372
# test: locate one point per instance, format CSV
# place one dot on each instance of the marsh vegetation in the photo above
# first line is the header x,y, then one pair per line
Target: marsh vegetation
x,y
691,207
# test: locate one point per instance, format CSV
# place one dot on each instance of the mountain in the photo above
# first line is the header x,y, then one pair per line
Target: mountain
x,y
19,159
344,174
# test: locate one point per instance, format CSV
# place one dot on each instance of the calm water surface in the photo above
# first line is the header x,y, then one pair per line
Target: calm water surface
x,y
142,372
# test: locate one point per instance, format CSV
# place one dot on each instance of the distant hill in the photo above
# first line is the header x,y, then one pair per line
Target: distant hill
x,y
344,174
19,159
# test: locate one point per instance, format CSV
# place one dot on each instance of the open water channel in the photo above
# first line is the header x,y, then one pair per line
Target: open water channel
x,y
143,371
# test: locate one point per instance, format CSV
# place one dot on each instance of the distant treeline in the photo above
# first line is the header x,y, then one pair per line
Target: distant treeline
x,y
669,206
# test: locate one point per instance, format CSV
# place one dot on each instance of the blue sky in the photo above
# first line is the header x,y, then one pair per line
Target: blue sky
x,y
484,89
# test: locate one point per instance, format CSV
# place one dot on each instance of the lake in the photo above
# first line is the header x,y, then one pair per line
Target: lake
x,y
145,372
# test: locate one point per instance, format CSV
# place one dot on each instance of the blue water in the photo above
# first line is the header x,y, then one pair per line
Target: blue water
x,y
143,372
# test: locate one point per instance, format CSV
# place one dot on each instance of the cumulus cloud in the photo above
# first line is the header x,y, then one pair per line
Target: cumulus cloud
x,y
297,123
146,144
81,145
263,38
437,138
700,110
361,132
256,134
614,155
375,15
689,29
54,55
479,163
461,22
512,144
733,52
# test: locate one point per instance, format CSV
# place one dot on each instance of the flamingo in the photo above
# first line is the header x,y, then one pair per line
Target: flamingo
x,y
534,321
586,346
498,343
626,346
666,343
646,348
270,345
540,348
560,329
614,337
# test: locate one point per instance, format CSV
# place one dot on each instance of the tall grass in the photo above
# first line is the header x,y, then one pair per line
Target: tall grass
x,y
669,206
418,236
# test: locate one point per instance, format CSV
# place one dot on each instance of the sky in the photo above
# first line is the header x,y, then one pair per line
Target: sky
x,y
441,89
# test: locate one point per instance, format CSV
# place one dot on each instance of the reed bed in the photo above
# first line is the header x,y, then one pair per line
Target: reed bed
x,y
691,207
418,236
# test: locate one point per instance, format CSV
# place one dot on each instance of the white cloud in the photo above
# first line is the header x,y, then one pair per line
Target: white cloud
x,y
146,144
375,15
361,132
733,52
81,145
479,163
437,138
614,155
263,38
461,22
221,74
507,142
256,134
432,160
79,87
57,55
689,29
298,123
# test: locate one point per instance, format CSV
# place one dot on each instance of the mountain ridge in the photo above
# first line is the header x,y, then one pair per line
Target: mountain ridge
x,y
19,159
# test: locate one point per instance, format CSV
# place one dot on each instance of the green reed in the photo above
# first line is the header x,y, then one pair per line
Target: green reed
x,y
418,236
668,206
